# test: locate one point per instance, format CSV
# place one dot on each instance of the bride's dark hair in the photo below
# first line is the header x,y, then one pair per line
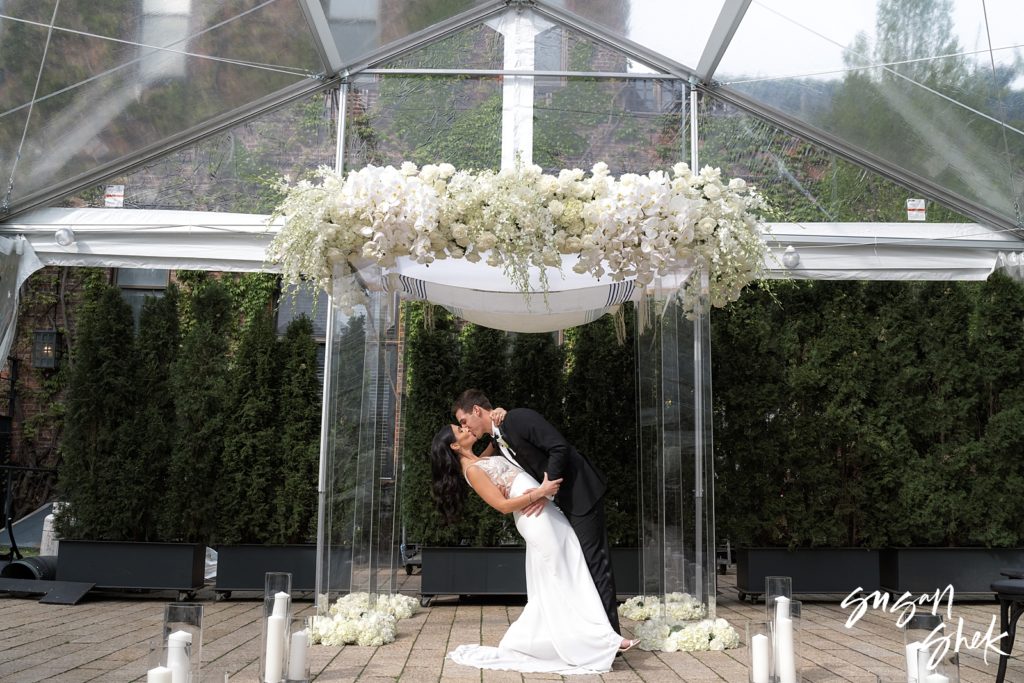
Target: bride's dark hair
x,y
449,486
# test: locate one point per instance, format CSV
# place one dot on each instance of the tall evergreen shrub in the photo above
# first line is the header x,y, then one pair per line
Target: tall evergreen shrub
x,y
200,381
252,473
600,416
98,463
154,430
536,376
432,359
299,422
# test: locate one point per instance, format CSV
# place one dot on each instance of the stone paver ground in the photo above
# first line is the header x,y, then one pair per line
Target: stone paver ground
x,y
107,637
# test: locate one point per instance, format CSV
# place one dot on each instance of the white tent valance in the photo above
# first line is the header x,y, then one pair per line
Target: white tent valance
x,y
231,242
129,238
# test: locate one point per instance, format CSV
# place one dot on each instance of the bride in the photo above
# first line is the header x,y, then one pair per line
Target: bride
x,y
564,628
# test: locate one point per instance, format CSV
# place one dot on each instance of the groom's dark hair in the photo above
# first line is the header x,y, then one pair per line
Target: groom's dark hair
x,y
469,398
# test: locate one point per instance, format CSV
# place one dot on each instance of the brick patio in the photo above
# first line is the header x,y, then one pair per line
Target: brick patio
x,y
107,637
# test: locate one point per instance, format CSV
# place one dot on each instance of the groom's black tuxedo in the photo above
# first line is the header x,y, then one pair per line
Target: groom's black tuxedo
x,y
538,448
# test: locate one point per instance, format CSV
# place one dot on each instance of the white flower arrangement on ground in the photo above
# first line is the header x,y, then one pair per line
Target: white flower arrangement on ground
x,y
351,620
634,226
677,607
708,634
661,628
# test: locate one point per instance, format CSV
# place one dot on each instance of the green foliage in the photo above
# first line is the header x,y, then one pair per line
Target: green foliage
x,y
535,375
251,461
158,340
200,382
432,357
347,379
859,414
600,415
299,423
95,474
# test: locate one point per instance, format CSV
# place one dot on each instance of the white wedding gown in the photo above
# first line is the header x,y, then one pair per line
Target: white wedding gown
x,y
563,628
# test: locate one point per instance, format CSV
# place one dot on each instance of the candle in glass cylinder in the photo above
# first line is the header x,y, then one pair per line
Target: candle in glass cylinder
x,y
281,604
158,674
785,667
178,656
274,656
936,678
297,656
913,649
759,669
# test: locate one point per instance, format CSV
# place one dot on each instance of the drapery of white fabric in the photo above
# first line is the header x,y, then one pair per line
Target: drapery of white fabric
x,y
17,262
131,238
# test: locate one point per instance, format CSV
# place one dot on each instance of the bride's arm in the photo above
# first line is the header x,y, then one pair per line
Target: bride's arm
x,y
492,495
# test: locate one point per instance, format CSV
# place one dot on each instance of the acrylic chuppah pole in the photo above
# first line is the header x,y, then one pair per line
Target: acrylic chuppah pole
x,y
358,539
675,467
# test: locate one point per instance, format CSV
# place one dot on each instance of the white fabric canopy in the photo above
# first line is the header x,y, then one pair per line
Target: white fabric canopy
x,y
127,238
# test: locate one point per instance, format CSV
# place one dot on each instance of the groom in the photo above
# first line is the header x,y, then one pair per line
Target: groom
x,y
529,441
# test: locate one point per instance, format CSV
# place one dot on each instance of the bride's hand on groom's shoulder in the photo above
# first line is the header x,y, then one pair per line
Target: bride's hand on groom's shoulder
x,y
498,416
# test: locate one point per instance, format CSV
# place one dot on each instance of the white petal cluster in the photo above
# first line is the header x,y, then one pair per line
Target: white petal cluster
x,y
352,620
709,634
635,226
677,607
662,626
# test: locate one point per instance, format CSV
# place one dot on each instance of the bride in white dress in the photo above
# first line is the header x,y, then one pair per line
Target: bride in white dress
x,y
563,628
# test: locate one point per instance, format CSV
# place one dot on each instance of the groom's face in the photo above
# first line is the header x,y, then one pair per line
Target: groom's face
x,y
474,420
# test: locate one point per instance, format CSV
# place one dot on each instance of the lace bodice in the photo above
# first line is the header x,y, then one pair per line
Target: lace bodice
x,y
499,470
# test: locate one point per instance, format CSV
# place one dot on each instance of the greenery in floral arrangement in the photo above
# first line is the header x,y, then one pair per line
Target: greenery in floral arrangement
x,y
251,471
200,381
97,472
299,420
517,218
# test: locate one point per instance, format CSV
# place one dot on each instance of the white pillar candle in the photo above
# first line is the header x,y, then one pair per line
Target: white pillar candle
x,y
781,607
760,662
281,604
178,656
781,612
936,678
159,674
785,667
297,656
273,663
912,651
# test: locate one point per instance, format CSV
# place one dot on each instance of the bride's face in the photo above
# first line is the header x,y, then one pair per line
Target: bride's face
x,y
464,438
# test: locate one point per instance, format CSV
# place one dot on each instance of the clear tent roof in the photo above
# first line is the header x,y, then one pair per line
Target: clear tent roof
x,y
929,93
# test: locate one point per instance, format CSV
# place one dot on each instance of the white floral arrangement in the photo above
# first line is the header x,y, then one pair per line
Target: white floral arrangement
x,y
634,226
661,628
709,634
677,607
351,619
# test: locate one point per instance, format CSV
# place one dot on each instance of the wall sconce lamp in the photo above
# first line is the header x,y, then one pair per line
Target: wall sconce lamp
x,y
46,349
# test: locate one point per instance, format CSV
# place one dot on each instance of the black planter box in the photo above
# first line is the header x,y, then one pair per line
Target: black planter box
x,y
813,570
463,570
926,570
243,567
114,564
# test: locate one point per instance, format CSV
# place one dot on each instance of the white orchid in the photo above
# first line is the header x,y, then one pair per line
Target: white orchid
x,y
519,218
